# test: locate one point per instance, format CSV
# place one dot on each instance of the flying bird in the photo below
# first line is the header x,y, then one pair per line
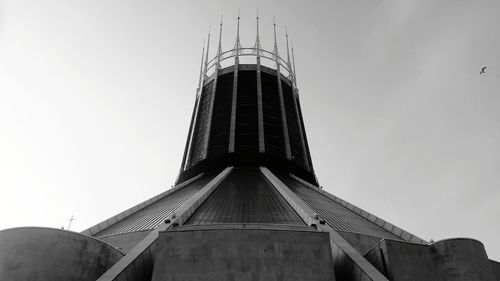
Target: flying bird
x,y
482,70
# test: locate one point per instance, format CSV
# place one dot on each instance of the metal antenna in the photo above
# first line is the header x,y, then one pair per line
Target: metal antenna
x,y
257,45
237,45
275,51
201,65
70,221
288,53
206,56
294,73
219,51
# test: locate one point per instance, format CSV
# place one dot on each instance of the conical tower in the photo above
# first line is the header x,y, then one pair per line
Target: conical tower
x,y
247,204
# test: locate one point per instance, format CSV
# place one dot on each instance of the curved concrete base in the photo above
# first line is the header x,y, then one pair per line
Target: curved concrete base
x,y
35,253
457,259
460,259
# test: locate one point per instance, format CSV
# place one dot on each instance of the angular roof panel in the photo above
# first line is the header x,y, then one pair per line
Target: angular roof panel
x,y
151,216
336,215
245,197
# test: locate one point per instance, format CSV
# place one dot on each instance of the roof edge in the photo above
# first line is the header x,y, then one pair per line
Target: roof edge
x,y
116,218
399,232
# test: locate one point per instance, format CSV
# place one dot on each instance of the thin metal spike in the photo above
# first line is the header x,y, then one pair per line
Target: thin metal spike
x,y
219,51
257,47
288,53
287,48
238,28
220,36
237,45
293,63
275,42
206,55
201,66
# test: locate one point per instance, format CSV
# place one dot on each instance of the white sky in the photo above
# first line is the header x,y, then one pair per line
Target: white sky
x,y
96,99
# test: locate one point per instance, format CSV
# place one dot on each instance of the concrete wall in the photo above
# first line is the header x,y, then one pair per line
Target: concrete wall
x,y
32,254
495,266
458,259
403,261
243,254
462,259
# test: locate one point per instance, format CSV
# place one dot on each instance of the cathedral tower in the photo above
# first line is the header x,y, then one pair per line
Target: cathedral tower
x,y
246,204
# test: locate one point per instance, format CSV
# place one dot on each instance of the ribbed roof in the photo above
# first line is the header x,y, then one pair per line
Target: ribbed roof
x,y
245,197
151,216
336,215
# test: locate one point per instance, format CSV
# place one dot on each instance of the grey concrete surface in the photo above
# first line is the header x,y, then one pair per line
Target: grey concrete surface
x,y
459,259
403,261
243,254
462,259
495,266
40,254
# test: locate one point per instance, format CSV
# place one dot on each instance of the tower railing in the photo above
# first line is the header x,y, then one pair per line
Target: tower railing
x,y
217,60
210,67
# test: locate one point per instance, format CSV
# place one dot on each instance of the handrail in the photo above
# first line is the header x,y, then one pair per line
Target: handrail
x,y
250,52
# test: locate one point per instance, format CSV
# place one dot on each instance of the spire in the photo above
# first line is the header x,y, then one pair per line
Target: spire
x,y
288,53
219,51
275,51
294,73
206,56
257,47
237,45
201,66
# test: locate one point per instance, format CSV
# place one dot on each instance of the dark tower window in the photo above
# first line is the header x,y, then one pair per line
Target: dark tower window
x,y
221,116
247,136
273,128
293,126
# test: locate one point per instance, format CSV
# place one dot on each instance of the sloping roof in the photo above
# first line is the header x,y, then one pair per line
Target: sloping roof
x,y
154,213
245,197
336,215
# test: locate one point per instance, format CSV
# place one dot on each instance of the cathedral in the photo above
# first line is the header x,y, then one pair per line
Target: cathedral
x,y
246,204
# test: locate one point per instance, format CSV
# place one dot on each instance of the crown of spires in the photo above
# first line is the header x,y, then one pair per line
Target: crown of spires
x,y
214,64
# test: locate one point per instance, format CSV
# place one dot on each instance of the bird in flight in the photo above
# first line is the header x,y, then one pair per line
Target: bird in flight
x,y
483,70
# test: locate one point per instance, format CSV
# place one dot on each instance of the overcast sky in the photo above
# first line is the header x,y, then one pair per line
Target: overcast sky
x,y
96,99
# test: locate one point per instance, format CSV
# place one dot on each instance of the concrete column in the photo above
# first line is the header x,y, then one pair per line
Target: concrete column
x,y
232,130
187,150
208,124
286,138
303,132
299,124
260,111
